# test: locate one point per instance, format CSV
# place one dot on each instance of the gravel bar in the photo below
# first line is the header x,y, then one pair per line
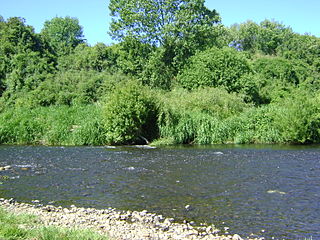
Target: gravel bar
x,y
118,225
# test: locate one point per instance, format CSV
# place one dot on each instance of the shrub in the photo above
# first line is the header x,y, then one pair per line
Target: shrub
x,y
284,70
298,117
68,88
197,116
215,67
129,113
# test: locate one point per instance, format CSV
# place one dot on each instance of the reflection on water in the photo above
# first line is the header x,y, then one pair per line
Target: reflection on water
x,y
265,190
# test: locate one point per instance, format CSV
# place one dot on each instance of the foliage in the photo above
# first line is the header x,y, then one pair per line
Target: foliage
x,y
277,68
179,27
68,88
215,67
24,59
156,73
155,22
132,56
78,125
276,77
303,47
298,117
294,119
129,113
265,37
176,76
63,34
97,58
196,116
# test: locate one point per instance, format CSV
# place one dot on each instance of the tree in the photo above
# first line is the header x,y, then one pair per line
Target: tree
x,y
156,21
63,34
302,47
180,27
98,58
265,37
24,59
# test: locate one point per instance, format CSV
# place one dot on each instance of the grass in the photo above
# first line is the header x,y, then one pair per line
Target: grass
x,y
23,226
54,125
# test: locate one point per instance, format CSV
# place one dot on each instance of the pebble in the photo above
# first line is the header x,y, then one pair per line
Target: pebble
x,y
118,224
8,167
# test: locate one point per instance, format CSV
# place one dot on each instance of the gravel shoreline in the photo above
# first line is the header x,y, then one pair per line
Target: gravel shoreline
x,y
119,225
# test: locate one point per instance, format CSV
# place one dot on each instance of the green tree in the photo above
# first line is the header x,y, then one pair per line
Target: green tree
x,y
265,37
63,34
156,21
302,47
179,27
98,58
24,58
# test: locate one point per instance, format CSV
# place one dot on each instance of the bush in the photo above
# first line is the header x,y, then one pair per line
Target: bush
x,y
298,117
158,72
68,88
277,77
129,114
293,119
254,126
215,67
286,71
197,116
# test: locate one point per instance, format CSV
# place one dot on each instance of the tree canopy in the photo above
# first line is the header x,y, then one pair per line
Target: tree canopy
x,y
63,34
158,21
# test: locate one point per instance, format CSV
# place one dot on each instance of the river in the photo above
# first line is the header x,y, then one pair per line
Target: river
x,y
264,190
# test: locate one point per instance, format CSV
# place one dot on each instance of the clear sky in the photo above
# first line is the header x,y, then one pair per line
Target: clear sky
x,y
302,15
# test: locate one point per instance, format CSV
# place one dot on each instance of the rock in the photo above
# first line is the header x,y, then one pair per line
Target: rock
x,y
7,167
218,153
209,229
236,237
143,213
276,191
119,224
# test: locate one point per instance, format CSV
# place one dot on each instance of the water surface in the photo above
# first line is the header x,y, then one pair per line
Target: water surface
x,y
270,191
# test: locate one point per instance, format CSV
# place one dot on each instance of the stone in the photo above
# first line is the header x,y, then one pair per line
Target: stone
x,y
119,224
236,237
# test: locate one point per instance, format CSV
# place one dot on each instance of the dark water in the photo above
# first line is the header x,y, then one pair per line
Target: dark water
x,y
270,191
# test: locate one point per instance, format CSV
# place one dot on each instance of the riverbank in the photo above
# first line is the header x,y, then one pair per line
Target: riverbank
x,y
124,225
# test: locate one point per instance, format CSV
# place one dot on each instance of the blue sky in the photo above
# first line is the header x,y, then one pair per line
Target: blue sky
x,y
302,15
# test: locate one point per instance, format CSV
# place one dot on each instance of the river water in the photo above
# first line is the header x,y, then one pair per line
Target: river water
x,y
270,191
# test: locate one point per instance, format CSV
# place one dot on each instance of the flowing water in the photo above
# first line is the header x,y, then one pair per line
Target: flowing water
x,y
270,191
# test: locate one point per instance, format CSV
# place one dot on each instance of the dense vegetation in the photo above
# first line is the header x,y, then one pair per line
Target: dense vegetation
x,y
176,75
